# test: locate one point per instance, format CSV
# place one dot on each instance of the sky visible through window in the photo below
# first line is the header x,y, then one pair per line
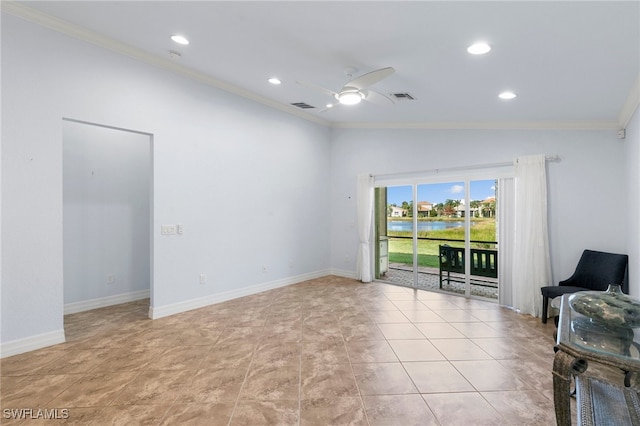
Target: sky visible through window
x,y
440,192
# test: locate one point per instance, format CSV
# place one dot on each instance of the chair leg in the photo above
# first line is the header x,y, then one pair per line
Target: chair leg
x,y
545,308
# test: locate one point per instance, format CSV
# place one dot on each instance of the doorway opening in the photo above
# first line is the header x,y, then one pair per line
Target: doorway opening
x,y
107,216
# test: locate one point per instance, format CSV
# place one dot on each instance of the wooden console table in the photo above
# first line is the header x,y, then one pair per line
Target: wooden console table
x,y
579,341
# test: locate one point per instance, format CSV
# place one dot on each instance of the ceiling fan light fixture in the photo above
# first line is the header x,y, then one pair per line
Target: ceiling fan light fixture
x,y
350,97
479,48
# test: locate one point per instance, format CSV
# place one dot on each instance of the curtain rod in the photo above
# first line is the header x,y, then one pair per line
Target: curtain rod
x,y
459,168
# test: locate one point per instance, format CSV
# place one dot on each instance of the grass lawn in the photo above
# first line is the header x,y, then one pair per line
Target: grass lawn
x,y
401,249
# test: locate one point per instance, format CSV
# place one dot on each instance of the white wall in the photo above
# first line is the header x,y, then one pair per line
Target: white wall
x,y
244,179
106,215
586,188
632,201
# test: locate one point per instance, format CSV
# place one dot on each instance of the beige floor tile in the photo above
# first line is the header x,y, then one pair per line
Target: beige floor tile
x,y
489,375
415,350
405,410
382,317
528,408
277,353
383,379
400,331
327,381
125,415
128,359
368,351
267,413
423,316
503,348
287,331
439,330
359,332
442,305
198,336
93,390
332,411
216,414
324,352
456,315
475,329
229,355
213,385
459,349
153,387
270,382
410,305
436,377
237,335
34,391
29,363
463,409
179,358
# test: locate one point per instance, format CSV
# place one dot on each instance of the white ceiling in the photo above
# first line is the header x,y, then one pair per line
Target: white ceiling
x,y
571,63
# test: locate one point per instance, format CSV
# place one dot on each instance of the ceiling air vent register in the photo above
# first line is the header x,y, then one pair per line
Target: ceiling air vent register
x,y
402,97
302,105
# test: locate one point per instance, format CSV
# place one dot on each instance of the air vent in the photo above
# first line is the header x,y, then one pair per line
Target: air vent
x,y
403,96
302,105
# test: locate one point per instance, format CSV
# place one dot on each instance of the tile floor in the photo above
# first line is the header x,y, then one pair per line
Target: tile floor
x,y
330,351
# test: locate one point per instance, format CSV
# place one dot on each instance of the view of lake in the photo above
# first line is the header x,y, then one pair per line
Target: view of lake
x,y
403,225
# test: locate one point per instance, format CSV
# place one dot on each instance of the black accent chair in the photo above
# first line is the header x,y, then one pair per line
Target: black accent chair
x,y
595,271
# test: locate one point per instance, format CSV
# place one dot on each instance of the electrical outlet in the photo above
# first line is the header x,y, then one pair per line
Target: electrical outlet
x,y
203,278
264,269
111,278
180,229
346,259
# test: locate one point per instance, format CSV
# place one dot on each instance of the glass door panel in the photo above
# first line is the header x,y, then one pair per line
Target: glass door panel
x,y
483,239
441,236
395,236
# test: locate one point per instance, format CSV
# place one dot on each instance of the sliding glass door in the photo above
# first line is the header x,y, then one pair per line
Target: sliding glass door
x,y
427,231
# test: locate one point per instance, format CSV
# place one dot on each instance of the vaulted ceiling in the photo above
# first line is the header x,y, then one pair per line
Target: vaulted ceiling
x,y
570,63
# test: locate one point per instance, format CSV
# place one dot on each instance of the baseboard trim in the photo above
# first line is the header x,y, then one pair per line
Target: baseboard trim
x,y
31,343
102,302
343,273
188,305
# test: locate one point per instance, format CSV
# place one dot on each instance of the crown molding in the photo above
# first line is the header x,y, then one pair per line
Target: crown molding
x,y
630,106
488,125
75,31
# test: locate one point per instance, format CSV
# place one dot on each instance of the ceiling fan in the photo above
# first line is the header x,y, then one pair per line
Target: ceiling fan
x,y
356,90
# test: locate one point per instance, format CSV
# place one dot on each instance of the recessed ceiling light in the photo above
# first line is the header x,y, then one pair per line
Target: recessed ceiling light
x,y
479,48
179,39
507,95
274,80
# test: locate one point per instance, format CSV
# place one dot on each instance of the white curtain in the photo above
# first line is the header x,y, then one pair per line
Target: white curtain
x,y
365,222
505,218
531,262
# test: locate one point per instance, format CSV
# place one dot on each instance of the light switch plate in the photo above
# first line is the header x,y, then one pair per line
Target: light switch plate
x,y
168,229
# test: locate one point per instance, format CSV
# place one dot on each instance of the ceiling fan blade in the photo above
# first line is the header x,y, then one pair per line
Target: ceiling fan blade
x,y
318,88
371,78
377,98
